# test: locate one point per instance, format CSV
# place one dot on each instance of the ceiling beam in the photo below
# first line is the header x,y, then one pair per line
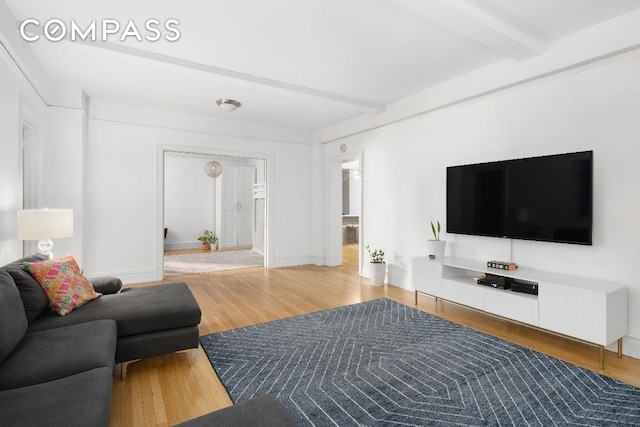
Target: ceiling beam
x,y
358,104
465,19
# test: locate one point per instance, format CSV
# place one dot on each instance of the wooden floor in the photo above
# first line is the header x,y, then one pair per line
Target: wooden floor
x,y
165,390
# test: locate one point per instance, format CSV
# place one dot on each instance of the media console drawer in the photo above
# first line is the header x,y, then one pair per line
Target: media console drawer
x,y
520,307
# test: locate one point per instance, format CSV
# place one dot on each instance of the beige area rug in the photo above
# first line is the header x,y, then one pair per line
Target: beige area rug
x,y
207,262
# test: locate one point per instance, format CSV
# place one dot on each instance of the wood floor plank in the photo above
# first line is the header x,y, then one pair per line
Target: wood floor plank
x,y
165,390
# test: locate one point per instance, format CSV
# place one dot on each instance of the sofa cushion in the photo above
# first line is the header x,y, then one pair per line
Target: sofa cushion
x,y
56,353
137,310
106,285
13,320
34,298
83,399
63,282
19,263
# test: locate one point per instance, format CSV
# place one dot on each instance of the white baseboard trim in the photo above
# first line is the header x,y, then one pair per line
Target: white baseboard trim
x,y
630,347
318,260
399,281
290,261
129,277
181,245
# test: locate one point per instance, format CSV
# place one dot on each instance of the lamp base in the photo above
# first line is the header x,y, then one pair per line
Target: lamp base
x,y
45,246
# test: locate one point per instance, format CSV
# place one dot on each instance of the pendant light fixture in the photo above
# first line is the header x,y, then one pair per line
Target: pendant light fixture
x,y
213,168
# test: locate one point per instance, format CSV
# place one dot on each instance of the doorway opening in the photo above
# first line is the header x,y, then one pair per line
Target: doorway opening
x,y
228,203
351,213
32,177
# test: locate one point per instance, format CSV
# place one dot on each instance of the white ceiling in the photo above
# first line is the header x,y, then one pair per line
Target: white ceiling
x,y
302,64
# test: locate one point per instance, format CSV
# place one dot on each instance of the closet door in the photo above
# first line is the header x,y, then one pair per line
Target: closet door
x,y
244,195
235,193
227,208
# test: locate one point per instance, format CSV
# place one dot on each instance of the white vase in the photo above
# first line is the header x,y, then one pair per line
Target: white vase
x,y
376,273
436,247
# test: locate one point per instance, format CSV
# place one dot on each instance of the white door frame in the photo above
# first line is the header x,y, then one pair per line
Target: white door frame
x,y
333,203
31,169
200,151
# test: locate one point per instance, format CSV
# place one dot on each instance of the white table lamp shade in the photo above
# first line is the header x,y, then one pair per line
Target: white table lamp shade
x,y
36,224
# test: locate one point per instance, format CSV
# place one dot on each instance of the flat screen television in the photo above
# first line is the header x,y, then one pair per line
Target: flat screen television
x,y
548,198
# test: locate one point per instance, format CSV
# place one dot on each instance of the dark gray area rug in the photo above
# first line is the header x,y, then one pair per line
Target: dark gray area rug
x,y
382,363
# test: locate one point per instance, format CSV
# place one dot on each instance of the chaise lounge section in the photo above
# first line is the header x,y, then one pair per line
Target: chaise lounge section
x,y
48,360
151,320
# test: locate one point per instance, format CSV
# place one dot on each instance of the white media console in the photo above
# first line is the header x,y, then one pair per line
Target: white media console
x,y
585,309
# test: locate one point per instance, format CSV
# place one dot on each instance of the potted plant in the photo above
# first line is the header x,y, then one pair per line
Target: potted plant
x,y
208,238
377,266
435,245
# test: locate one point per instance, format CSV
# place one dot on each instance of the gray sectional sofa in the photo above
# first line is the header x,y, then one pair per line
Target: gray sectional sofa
x,y
58,370
263,411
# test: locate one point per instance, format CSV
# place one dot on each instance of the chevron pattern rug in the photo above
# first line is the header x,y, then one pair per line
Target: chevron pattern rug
x,y
381,363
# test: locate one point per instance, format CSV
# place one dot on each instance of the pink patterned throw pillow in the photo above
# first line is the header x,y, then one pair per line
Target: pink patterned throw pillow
x,y
63,282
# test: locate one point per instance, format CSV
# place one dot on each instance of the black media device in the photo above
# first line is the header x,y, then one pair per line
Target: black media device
x,y
516,285
524,287
546,198
494,281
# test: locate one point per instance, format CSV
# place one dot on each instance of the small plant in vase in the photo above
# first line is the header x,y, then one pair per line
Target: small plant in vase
x,y
208,239
377,266
435,245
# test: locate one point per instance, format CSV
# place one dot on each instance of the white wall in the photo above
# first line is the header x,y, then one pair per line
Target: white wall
x,y
189,200
123,183
593,108
27,94
64,173
10,171
18,102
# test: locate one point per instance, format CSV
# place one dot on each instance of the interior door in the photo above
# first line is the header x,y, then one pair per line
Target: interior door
x,y
236,206
228,236
245,177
